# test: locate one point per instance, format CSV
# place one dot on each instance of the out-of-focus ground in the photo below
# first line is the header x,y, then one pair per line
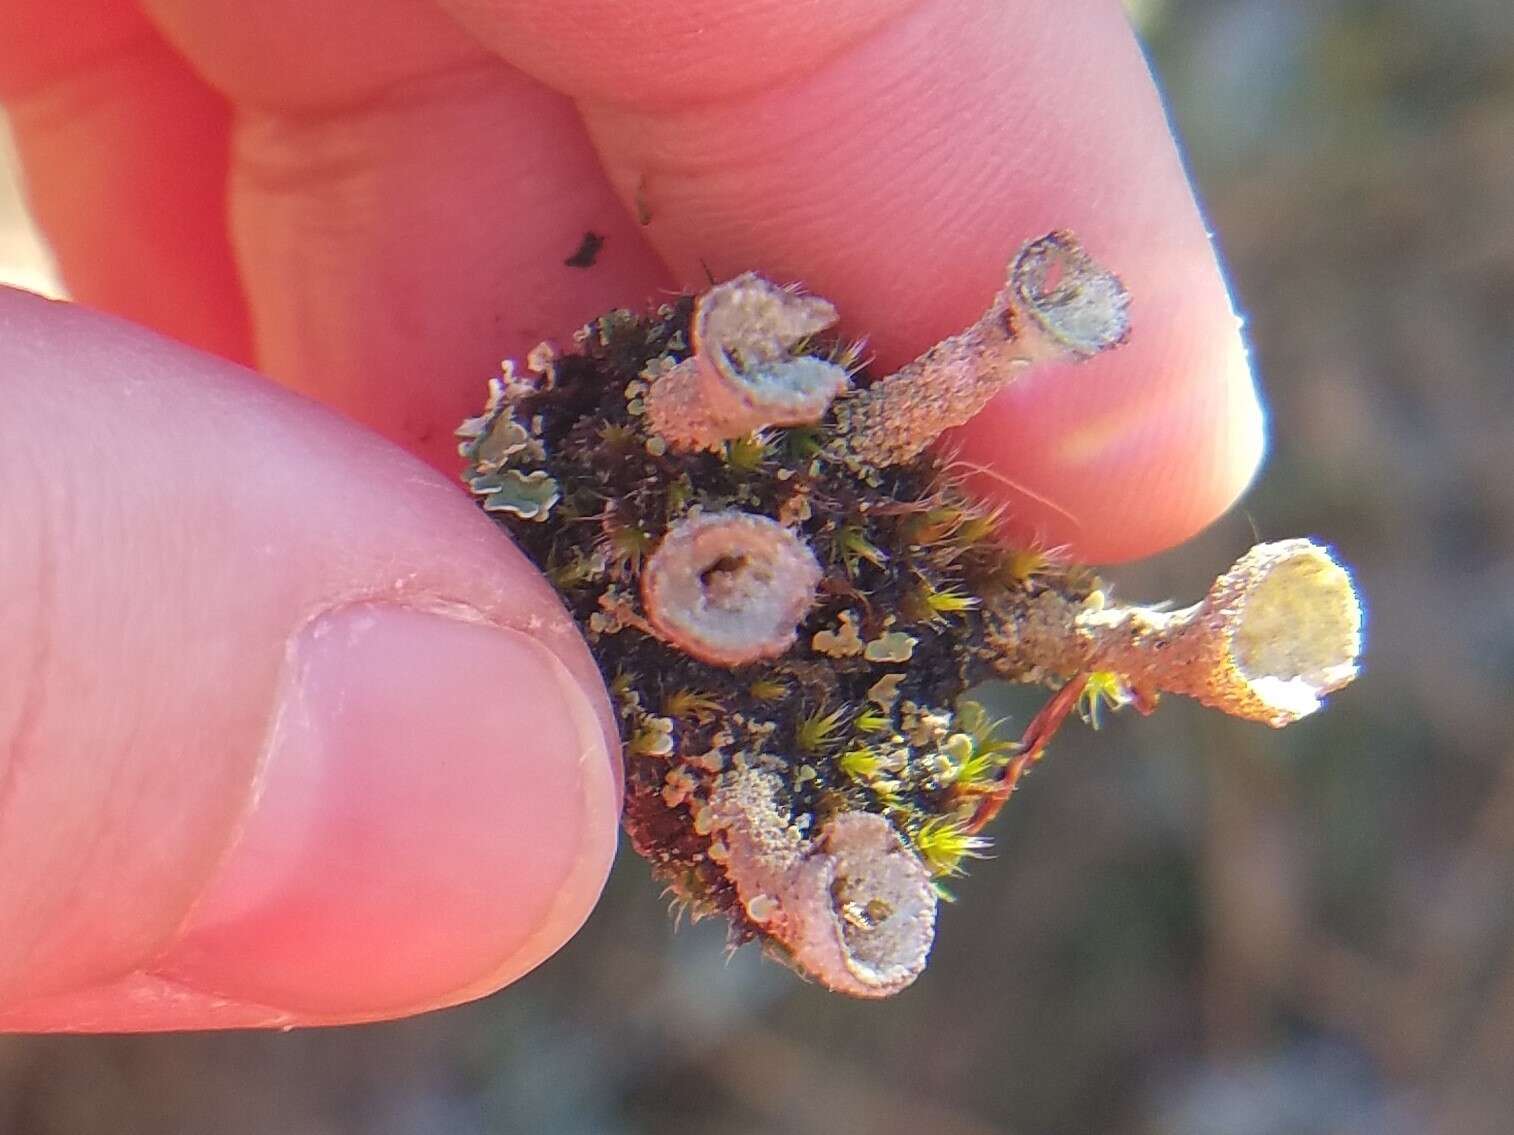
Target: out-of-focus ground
x,y
1191,926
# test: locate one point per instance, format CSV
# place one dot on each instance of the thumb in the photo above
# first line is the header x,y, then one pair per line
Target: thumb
x,y
289,733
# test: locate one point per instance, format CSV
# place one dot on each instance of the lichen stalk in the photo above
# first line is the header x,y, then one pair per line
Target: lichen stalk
x,y
1057,304
852,908
1276,633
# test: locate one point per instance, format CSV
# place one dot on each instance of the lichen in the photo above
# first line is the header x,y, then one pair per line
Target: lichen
x,y
742,375
729,587
789,596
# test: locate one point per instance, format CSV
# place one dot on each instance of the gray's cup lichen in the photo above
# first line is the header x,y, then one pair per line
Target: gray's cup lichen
x,y
789,595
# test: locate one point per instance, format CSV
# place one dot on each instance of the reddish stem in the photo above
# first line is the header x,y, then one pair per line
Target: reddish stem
x,y
1038,734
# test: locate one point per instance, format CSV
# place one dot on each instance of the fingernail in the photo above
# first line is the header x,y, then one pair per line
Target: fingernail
x,y
436,815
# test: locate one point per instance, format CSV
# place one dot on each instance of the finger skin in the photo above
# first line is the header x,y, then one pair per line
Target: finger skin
x,y
440,229
206,819
126,156
399,201
672,55
402,215
829,147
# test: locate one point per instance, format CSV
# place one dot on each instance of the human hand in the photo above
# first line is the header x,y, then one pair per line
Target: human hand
x,y
291,734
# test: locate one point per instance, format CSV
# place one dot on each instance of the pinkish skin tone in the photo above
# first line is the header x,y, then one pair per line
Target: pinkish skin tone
x,y
366,256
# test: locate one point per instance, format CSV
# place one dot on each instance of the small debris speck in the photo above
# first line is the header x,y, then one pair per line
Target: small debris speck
x,y
587,251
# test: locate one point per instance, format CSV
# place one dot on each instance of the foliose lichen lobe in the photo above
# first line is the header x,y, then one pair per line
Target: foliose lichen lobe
x,y
788,595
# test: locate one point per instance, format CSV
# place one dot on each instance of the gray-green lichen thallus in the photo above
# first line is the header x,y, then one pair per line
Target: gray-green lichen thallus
x,y
788,594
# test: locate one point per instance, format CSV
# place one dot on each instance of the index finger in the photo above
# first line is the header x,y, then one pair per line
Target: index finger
x,y
893,158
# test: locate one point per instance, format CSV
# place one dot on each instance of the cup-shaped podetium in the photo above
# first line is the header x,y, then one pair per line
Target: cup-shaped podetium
x,y
729,587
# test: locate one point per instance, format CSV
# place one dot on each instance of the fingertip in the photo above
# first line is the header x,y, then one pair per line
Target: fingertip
x,y
436,815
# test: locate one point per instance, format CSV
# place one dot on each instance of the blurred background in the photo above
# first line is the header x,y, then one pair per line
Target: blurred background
x,y
1191,926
